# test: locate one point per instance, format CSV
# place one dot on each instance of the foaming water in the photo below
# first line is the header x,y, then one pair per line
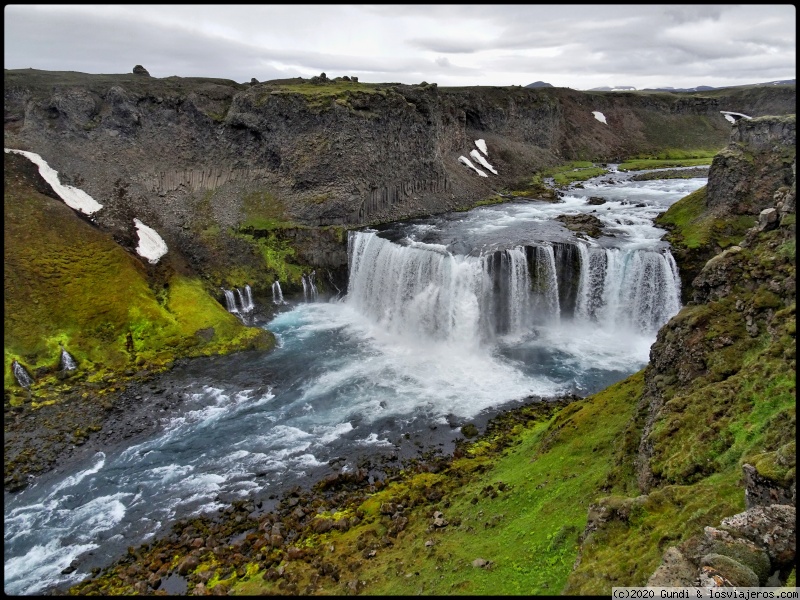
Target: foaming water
x,y
446,320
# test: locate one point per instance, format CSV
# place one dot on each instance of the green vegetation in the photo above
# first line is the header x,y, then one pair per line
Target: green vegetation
x,y
569,173
277,254
667,159
697,234
319,95
264,212
654,163
551,485
69,284
536,187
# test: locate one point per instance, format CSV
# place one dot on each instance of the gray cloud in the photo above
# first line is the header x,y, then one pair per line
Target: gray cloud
x,y
579,46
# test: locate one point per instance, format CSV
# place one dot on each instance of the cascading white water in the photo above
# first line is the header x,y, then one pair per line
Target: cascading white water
x,y
230,301
277,294
245,299
545,282
424,290
309,286
634,288
249,297
22,376
67,362
416,292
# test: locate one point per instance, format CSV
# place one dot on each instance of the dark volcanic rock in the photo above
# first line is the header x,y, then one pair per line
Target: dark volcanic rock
x,y
586,224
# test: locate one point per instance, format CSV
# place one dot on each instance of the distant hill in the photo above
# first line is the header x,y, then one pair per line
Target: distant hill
x,y
699,88
707,88
616,88
539,84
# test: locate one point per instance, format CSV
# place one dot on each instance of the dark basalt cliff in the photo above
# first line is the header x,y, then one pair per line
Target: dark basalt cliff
x,y
706,430
179,153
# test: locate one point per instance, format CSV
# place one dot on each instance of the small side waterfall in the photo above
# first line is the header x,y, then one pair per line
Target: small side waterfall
x,y
24,378
277,294
67,362
309,287
245,305
246,299
230,301
429,292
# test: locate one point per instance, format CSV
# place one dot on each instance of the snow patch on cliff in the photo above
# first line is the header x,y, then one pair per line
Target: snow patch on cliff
x,y
481,144
73,197
479,157
151,246
599,116
466,161
732,116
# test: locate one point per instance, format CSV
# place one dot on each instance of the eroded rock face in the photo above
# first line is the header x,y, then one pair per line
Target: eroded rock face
x,y
749,284
745,175
386,152
770,527
761,491
745,551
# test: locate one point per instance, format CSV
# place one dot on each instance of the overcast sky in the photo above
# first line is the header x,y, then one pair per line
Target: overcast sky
x,y
577,46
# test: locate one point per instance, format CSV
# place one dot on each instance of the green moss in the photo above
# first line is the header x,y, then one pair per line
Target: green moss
x,y
568,173
641,164
278,255
69,284
262,211
626,551
684,216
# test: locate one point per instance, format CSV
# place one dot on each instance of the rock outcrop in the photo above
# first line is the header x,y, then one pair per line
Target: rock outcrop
x,y
356,155
751,549
752,285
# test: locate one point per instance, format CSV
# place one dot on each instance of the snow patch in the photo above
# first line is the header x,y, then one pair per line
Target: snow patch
x,y
481,144
731,116
599,116
151,246
479,157
73,197
466,161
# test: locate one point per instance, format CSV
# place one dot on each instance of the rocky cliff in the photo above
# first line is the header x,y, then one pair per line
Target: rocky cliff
x,y
186,155
682,474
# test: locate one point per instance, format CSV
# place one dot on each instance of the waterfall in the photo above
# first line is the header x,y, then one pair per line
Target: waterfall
x,y
425,291
634,288
277,294
230,301
545,282
245,299
22,375
67,362
309,286
249,295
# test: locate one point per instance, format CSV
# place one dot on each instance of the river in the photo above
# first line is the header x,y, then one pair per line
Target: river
x,y
447,320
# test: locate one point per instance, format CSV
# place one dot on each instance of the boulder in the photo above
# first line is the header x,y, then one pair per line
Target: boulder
x,y
675,571
140,70
768,219
732,570
771,527
760,491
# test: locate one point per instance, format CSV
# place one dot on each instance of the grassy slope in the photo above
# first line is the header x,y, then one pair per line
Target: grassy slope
x,y
67,282
521,495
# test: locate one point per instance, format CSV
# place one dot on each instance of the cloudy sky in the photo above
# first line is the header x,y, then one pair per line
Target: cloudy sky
x,y
577,46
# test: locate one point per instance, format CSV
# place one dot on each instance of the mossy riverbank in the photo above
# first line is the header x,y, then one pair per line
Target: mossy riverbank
x,y
69,285
555,498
